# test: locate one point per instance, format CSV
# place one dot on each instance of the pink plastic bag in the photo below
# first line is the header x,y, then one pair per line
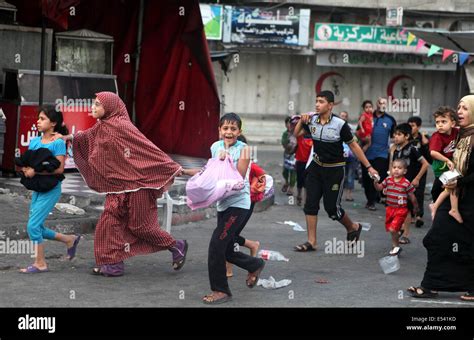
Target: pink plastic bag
x,y
218,180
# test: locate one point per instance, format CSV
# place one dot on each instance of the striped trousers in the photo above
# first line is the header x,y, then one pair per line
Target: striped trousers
x,y
129,226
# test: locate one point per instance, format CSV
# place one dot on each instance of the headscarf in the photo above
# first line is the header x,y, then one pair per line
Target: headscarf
x,y
113,156
465,141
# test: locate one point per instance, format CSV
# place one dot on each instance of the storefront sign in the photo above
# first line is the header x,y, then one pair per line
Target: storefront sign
x,y
282,26
384,60
212,16
363,38
394,16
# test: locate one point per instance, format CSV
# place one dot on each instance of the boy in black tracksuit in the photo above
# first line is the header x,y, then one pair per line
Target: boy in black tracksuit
x,y
325,174
422,142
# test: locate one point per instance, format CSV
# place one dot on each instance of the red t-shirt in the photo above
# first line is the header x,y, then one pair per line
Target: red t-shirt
x,y
257,188
367,124
397,192
444,143
304,148
255,170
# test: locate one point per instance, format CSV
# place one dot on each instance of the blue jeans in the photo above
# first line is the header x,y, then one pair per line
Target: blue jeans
x,y
351,173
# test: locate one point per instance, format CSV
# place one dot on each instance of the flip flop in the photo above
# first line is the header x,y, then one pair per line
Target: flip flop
x,y
404,240
354,236
304,247
396,253
421,293
252,278
214,301
71,252
114,270
31,269
178,261
469,297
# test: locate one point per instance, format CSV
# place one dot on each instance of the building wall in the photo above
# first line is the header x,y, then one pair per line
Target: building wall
x,y
20,48
460,6
263,86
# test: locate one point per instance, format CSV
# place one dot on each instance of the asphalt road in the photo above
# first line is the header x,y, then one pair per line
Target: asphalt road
x,y
319,279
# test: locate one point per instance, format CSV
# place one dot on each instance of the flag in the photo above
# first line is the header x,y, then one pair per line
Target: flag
x,y
420,44
433,50
410,39
463,57
447,53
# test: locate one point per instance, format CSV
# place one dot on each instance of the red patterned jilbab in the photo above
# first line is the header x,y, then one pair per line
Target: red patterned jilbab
x,y
115,158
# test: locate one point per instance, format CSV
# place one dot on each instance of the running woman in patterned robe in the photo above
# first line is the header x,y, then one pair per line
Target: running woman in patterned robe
x,y
115,158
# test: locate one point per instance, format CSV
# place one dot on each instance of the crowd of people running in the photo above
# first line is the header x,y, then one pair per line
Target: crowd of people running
x,y
321,153
394,160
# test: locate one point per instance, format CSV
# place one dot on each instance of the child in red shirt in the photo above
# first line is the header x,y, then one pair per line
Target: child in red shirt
x,y
303,151
398,190
365,125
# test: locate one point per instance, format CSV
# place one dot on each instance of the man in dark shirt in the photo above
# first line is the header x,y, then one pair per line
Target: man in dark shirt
x,y
325,174
377,153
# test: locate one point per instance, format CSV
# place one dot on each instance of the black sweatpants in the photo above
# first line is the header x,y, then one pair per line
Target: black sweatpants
x,y
381,165
326,182
239,239
221,249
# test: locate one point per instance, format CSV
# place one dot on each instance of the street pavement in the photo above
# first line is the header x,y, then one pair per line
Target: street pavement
x,y
319,279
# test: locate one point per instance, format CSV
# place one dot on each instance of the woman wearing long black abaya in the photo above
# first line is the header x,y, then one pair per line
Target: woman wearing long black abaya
x,y
450,245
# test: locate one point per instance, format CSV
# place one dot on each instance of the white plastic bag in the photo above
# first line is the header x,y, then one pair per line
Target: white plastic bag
x,y
271,283
269,190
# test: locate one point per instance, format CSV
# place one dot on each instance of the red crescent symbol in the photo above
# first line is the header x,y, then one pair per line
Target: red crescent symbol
x,y
392,83
323,77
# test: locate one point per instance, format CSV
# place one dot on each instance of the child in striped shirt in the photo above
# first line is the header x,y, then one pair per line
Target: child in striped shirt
x,y
398,190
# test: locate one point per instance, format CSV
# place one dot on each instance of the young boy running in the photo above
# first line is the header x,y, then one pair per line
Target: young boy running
x,y
232,212
325,174
417,165
397,189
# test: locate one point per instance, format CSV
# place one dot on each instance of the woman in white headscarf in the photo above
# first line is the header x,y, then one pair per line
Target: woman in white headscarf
x,y
450,244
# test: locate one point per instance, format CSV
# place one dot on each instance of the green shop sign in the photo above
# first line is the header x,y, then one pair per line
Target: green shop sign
x,y
363,38
212,21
